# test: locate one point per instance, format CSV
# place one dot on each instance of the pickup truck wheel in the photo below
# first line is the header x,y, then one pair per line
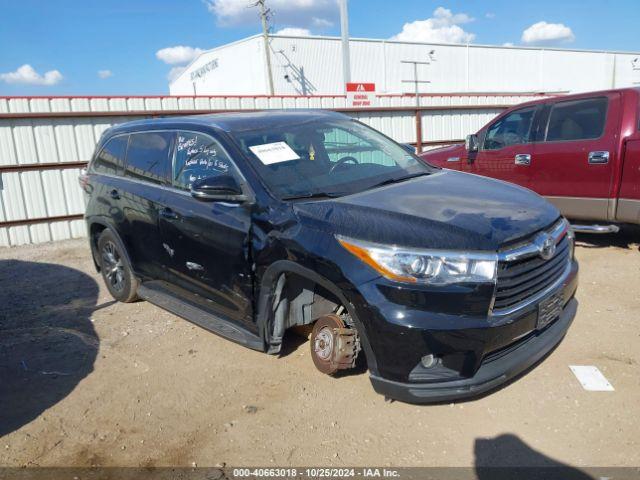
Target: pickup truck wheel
x,y
334,346
116,271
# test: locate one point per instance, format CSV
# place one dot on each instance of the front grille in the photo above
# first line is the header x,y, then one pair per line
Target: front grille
x,y
521,279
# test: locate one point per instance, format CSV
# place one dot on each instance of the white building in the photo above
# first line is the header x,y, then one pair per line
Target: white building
x,y
312,66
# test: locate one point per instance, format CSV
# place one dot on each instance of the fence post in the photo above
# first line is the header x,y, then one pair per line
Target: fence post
x,y
418,131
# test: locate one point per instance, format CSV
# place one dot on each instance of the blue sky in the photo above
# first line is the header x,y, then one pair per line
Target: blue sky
x,y
90,47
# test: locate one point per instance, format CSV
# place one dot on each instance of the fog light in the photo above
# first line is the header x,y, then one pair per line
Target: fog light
x,y
428,361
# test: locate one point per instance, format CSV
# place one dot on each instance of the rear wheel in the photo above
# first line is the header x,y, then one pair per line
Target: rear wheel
x,y
334,346
116,271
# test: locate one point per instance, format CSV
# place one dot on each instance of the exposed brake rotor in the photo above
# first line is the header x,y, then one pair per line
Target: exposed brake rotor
x,y
334,346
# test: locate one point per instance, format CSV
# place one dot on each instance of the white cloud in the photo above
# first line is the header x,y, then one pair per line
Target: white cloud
x,y
321,22
302,13
178,55
26,75
490,15
175,73
507,44
294,31
105,73
543,32
443,27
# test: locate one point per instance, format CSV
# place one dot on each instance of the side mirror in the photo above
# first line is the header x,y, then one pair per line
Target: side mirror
x,y
223,188
471,143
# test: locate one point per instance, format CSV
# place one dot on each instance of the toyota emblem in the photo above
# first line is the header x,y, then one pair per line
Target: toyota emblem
x,y
548,247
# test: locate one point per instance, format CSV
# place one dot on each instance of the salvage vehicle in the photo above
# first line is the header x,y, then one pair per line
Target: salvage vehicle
x,y
248,224
581,152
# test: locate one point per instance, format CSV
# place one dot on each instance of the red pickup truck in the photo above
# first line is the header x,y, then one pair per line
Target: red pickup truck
x,y
581,152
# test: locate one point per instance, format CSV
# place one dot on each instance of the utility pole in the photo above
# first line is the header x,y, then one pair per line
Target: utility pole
x,y
264,16
344,28
416,80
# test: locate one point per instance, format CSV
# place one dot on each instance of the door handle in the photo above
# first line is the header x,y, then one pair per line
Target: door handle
x,y
114,194
522,159
168,213
598,158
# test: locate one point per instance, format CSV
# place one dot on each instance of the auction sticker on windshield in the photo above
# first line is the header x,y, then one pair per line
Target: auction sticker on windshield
x,y
277,152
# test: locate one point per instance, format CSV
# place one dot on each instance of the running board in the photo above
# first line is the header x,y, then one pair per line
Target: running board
x,y
158,293
595,228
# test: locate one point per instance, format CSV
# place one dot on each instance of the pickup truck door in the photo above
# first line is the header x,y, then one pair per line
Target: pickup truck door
x,y
206,243
629,201
505,147
573,161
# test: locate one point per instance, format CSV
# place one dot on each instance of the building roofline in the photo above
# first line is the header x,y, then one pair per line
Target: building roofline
x,y
220,47
470,45
437,44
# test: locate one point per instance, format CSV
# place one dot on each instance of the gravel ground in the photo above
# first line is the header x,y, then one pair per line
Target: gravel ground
x,y
86,381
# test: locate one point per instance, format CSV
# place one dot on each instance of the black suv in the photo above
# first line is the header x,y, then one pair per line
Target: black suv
x,y
248,224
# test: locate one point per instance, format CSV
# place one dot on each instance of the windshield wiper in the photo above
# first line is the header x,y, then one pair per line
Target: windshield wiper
x,y
399,179
312,195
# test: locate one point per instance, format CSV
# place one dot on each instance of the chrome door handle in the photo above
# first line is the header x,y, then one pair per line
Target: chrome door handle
x,y
598,158
522,159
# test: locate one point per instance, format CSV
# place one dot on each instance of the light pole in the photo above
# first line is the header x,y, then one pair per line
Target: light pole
x,y
344,28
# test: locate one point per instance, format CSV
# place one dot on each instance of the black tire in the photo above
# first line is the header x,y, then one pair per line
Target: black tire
x,y
116,271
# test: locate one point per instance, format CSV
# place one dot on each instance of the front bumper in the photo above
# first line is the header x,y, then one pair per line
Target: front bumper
x,y
477,353
489,375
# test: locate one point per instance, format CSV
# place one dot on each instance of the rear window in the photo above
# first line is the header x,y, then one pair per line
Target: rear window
x,y
148,156
577,120
110,160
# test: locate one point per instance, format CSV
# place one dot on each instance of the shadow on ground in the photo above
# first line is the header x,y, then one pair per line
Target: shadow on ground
x,y
507,457
47,341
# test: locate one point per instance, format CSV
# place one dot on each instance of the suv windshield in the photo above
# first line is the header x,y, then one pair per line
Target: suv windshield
x,y
326,158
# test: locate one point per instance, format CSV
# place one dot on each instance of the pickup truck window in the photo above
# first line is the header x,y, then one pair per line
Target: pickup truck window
x,y
512,129
110,160
577,120
147,156
198,156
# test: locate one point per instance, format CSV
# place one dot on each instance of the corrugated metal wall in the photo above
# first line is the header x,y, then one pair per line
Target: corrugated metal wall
x,y
45,141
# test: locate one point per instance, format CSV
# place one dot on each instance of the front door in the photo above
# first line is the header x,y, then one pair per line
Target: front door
x,y
206,244
506,148
573,160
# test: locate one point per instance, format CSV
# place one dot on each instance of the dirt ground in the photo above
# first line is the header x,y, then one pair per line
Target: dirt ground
x,y
86,381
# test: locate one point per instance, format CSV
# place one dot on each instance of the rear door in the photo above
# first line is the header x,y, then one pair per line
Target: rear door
x,y
506,147
572,163
205,244
140,196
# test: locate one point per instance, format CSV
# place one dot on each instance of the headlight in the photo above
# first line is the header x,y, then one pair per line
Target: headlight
x,y
432,267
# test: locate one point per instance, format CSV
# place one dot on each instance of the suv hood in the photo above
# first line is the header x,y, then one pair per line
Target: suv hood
x,y
444,210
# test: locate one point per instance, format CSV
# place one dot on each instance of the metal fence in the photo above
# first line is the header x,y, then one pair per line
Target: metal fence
x,y
45,141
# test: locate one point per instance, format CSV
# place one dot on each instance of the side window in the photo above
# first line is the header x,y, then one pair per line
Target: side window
x,y
148,156
198,156
577,120
110,160
512,129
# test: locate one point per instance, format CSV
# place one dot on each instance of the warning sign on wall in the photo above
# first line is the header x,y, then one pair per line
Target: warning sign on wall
x,y
361,94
